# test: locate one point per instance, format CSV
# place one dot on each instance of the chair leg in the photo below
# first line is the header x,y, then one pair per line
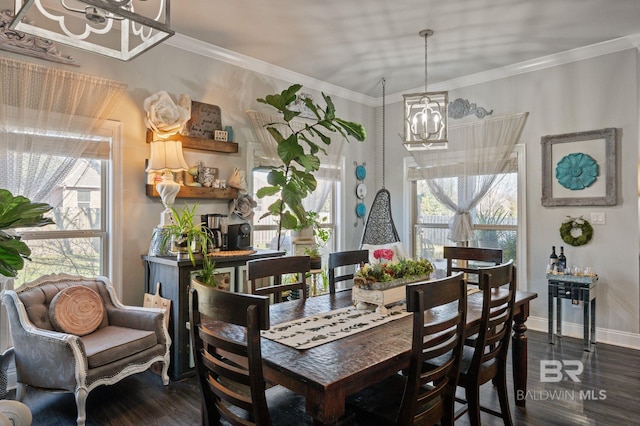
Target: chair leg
x,y
501,387
473,401
81,405
165,371
448,417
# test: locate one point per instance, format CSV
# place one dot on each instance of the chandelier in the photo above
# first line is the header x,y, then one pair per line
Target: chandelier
x,y
425,114
120,29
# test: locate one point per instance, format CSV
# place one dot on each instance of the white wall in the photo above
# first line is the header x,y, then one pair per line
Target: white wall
x,y
234,90
587,95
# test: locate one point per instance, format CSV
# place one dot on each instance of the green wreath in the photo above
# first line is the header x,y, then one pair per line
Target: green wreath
x,y
586,231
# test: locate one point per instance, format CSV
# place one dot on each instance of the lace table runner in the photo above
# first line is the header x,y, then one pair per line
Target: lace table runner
x,y
309,332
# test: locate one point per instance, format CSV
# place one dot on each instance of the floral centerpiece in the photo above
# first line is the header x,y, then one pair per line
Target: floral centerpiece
x,y
382,275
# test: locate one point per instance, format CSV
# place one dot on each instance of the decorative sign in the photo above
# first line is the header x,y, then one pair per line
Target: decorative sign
x,y
220,135
205,120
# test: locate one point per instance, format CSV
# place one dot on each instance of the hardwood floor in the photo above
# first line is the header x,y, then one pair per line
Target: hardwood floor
x,y
607,394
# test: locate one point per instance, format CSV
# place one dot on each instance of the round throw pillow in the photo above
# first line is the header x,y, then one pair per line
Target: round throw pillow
x,y
76,310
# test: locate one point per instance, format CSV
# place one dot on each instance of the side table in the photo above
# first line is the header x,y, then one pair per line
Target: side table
x,y
577,288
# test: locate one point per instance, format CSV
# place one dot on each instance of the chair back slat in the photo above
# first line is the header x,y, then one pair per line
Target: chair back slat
x,y
275,268
342,259
444,340
469,259
229,362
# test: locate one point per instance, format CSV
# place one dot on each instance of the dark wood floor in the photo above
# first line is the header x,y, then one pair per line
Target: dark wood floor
x,y
611,379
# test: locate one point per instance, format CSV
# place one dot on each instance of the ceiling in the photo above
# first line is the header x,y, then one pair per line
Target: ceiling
x,y
352,44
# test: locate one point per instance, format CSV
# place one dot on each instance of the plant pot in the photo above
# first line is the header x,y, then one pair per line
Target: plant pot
x,y
316,262
303,235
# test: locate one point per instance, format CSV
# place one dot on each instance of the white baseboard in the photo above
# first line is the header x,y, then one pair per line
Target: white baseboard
x,y
603,335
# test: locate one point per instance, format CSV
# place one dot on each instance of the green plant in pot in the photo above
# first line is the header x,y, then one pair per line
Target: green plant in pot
x,y
188,238
17,212
294,180
207,275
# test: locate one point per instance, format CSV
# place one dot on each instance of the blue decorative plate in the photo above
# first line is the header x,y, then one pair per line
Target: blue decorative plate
x,y
361,172
361,210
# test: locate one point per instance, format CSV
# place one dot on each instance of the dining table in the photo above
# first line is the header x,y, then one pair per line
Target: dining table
x,y
328,373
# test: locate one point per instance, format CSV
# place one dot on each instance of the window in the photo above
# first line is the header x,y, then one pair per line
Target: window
x,y
265,229
79,242
495,218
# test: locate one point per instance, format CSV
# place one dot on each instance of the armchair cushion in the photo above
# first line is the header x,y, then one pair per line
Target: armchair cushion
x,y
76,310
112,343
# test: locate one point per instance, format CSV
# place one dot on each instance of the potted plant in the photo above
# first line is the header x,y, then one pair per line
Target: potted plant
x,y
17,212
187,238
293,180
207,275
315,257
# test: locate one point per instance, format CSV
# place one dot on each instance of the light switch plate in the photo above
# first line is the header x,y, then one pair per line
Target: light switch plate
x,y
598,218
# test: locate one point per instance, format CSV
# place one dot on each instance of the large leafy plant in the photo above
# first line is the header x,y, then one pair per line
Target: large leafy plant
x,y
17,212
293,180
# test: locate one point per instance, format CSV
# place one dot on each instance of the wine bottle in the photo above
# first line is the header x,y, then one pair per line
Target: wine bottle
x,y
553,259
562,261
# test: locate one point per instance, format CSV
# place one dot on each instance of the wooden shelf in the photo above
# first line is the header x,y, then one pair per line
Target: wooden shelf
x,y
200,143
199,192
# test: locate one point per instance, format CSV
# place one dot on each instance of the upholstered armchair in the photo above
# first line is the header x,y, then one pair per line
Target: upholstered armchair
x,y
71,333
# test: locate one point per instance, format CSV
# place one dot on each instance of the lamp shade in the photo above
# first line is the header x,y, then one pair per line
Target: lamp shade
x,y
120,29
166,155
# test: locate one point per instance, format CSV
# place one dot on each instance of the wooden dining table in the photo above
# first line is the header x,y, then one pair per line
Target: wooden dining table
x,y
328,373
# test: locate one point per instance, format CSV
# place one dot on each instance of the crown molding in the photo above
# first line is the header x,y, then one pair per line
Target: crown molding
x,y
208,50
212,51
537,64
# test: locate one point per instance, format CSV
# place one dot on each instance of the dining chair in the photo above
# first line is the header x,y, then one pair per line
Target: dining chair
x,y
422,396
469,259
342,259
228,364
295,267
487,361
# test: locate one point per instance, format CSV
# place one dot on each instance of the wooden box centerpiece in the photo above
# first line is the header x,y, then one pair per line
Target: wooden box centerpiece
x,y
383,284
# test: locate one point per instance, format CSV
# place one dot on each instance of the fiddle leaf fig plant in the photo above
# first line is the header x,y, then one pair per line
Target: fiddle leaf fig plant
x,y
294,179
17,212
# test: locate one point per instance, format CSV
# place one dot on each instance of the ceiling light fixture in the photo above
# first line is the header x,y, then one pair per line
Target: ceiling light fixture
x,y
120,29
425,114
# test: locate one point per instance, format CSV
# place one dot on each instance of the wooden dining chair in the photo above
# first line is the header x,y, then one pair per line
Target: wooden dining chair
x,y
295,267
487,361
342,259
229,364
422,396
469,259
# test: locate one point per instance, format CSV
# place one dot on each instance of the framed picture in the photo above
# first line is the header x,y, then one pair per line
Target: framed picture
x,y
579,169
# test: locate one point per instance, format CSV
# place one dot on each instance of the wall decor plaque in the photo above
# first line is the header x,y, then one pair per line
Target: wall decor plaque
x,y
205,120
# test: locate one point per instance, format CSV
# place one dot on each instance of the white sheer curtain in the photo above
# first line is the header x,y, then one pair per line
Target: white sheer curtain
x,y
47,119
478,152
268,155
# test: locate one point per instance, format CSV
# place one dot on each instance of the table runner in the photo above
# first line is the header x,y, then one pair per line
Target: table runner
x,y
309,332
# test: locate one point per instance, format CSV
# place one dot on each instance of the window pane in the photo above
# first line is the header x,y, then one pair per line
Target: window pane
x,y
79,256
77,201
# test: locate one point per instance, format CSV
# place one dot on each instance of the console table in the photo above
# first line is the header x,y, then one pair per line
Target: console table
x,y
578,288
175,276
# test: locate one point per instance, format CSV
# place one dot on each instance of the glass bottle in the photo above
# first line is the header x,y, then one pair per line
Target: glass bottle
x,y
553,258
562,261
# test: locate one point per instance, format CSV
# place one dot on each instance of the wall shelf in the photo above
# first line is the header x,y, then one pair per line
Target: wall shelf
x,y
199,192
200,143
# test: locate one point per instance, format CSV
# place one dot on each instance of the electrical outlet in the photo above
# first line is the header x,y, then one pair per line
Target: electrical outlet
x,y
598,218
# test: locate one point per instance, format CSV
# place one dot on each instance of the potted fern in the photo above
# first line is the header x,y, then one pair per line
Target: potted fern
x,y
293,180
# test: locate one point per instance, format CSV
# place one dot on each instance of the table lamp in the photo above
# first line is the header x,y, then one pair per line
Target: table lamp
x,y
166,158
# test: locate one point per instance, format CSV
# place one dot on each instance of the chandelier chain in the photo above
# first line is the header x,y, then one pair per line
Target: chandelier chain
x,y
384,83
426,36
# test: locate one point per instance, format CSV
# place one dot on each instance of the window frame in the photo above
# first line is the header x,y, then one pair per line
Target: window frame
x,y
410,214
110,229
